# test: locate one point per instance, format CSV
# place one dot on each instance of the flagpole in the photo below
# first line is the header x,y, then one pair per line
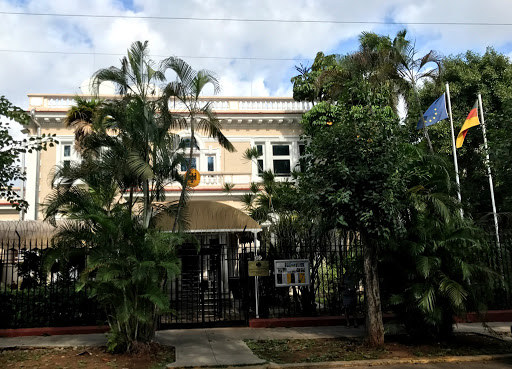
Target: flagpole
x,y
489,169
454,150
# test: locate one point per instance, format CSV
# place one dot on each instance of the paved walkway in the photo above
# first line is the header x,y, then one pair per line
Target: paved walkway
x,y
222,346
225,346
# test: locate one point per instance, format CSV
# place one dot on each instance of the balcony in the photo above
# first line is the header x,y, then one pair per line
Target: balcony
x,y
220,104
217,180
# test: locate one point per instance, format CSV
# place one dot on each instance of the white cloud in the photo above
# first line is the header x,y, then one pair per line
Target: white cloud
x,y
23,73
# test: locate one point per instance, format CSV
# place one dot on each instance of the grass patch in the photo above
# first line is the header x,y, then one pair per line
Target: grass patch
x,y
313,350
348,349
156,357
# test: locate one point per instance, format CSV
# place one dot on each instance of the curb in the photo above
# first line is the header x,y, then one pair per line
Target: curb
x,y
344,364
52,331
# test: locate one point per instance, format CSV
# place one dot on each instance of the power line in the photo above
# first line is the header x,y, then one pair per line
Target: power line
x,y
258,20
159,56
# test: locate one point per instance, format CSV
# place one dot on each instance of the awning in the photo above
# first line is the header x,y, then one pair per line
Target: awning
x,y
203,216
210,216
12,231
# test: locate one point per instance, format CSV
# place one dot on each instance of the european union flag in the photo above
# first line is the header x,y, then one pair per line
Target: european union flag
x,y
435,113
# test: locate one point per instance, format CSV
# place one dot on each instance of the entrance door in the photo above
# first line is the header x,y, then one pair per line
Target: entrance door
x,y
203,295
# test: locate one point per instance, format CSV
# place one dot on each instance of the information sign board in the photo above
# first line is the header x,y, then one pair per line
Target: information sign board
x,y
294,272
259,268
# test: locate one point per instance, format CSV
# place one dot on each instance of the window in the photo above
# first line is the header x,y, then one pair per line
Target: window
x,y
281,150
205,158
261,166
184,166
211,164
281,159
67,154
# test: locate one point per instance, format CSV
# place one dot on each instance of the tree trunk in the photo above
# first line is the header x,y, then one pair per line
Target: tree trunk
x,y
181,202
374,324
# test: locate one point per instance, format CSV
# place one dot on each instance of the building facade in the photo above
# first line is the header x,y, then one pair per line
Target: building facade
x,y
213,286
272,124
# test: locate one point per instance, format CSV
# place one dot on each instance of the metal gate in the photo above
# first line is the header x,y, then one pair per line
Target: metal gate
x,y
212,288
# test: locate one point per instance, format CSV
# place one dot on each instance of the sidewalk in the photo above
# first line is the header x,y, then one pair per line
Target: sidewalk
x,y
225,346
222,346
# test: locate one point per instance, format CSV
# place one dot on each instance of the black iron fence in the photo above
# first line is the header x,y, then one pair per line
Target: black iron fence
x,y
336,276
214,287
498,258
36,295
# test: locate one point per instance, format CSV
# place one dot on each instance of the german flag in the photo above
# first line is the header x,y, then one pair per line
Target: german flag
x,y
471,121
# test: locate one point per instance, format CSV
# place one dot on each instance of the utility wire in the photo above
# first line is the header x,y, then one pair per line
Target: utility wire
x,y
257,20
159,56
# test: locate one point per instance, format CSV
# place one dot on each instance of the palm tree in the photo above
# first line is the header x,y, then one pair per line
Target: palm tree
x,y
128,147
126,263
438,260
397,61
143,124
81,117
383,63
187,88
412,69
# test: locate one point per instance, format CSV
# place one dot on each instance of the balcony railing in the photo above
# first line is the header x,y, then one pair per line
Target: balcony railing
x,y
218,179
52,102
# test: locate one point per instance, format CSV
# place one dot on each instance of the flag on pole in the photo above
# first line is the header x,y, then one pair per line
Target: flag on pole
x,y
435,113
471,121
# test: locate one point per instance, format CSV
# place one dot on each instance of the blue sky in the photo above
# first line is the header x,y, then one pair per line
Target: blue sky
x,y
81,45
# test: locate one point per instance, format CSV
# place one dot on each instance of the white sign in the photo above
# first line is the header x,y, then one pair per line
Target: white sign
x,y
293,272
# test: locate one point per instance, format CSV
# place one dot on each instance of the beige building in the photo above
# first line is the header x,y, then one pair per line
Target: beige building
x,y
213,285
7,211
270,123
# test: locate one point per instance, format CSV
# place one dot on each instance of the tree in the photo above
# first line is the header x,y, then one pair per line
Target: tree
x,y
434,268
81,117
356,187
376,183
187,88
127,264
127,148
491,75
395,63
143,124
310,85
10,151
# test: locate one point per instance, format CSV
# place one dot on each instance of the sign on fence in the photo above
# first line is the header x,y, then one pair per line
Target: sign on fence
x,y
258,268
293,272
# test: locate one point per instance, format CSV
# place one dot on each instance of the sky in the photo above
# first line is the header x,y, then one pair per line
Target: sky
x,y
251,56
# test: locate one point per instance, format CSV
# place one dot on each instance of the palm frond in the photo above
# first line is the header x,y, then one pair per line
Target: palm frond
x,y
254,187
427,300
247,199
251,154
455,293
426,265
228,187
139,167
